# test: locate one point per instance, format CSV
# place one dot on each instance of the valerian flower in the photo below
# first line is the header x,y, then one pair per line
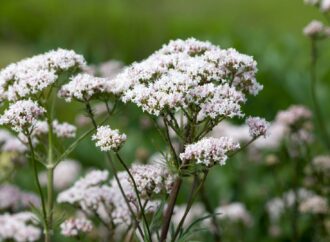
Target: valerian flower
x,y
74,226
108,139
22,115
209,151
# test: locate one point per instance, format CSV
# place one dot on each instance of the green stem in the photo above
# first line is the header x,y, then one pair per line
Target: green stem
x,y
137,194
36,179
316,105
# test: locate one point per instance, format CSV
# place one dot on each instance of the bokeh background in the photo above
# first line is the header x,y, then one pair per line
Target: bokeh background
x,y
130,30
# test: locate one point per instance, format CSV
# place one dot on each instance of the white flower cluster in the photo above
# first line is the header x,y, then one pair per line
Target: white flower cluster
x,y
257,127
209,151
316,29
322,164
87,191
32,75
315,205
108,139
75,226
19,227
151,179
61,130
93,195
236,213
190,73
22,115
14,199
83,87
65,173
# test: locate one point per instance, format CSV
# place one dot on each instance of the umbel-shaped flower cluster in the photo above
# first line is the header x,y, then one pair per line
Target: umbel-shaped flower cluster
x,y
192,75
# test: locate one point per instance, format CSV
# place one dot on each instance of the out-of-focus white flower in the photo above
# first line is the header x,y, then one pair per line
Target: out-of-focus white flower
x,y
322,163
75,226
65,173
22,115
19,227
64,130
83,87
108,139
325,5
190,73
315,204
110,69
314,29
33,75
209,151
235,212
61,130
257,127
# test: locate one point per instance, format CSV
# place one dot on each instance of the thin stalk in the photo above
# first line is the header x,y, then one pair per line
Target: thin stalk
x,y
170,143
316,105
192,197
50,172
137,194
170,208
114,172
36,179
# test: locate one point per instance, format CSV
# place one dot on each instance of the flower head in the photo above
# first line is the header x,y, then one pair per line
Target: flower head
x,y
257,126
209,151
19,227
74,226
315,204
83,87
151,179
32,75
190,73
108,139
22,115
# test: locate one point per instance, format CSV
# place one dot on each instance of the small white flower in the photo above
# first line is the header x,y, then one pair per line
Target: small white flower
x,y
19,227
22,115
325,6
322,163
315,204
74,226
257,127
314,28
108,139
209,151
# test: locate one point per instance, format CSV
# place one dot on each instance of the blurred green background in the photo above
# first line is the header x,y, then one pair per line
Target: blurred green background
x,y
130,30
